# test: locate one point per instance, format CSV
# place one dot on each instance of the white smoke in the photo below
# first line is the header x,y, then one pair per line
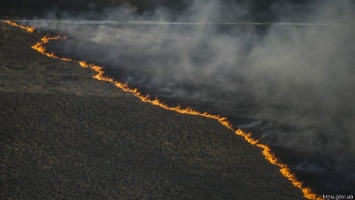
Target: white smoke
x,y
295,74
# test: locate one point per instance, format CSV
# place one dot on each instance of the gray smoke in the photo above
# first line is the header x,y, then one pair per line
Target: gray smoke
x,y
298,75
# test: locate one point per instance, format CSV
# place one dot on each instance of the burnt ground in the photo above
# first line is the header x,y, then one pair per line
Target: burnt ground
x,y
64,135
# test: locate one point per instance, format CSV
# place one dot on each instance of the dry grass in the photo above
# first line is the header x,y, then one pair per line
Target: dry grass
x,y
66,135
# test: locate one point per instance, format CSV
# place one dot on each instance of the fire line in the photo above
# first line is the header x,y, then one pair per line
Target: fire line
x,y
266,150
29,29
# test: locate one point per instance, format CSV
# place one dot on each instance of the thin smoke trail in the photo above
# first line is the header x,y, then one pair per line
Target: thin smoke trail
x,y
138,22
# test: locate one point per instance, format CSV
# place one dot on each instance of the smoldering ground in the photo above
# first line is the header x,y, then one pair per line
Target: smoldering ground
x,y
289,82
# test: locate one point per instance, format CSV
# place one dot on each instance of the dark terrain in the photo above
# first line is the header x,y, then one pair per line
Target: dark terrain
x,y
65,135
259,10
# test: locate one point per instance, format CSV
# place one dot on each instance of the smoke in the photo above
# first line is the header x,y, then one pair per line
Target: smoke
x,y
293,79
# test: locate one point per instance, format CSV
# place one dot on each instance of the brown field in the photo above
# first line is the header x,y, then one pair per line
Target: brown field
x,y
65,135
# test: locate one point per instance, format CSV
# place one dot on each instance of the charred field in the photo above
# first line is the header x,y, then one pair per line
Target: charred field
x,y
66,135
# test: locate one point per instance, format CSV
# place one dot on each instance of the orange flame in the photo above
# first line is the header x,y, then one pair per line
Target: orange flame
x,y
40,47
29,29
266,150
284,169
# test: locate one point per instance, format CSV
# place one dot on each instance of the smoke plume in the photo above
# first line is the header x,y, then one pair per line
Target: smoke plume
x,y
292,80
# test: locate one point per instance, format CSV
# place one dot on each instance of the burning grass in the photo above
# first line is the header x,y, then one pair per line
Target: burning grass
x,y
266,151
29,29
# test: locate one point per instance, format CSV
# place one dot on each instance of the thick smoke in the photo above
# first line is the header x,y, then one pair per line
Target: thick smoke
x,y
293,82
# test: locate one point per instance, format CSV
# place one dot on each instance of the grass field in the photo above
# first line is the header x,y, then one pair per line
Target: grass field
x,y
66,135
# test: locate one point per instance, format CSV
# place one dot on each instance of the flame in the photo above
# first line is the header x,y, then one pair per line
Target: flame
x,y
284,169
40,47
29,29
266,150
